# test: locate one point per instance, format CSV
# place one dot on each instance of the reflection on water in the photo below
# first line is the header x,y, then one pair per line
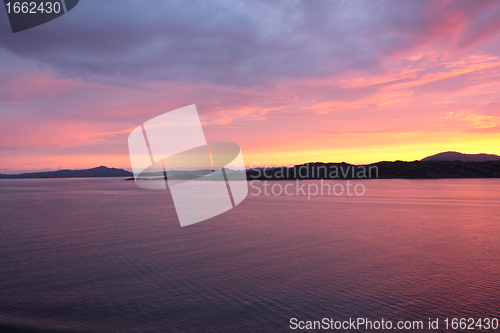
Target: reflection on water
x,y
102,255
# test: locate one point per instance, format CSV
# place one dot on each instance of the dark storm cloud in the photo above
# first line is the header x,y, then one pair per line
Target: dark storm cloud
x,y
237,42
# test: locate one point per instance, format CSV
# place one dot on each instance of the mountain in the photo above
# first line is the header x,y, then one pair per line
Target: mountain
x,y
101,171
381,170
424,169
455,156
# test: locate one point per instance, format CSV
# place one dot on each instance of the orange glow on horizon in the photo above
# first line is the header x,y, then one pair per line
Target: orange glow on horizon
x,y
418,102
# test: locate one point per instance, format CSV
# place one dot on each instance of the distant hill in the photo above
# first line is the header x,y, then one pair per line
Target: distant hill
x,y
101,171
455,156
425,169
381,170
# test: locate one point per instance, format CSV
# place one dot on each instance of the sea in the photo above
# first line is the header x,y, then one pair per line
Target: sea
x,y
103,255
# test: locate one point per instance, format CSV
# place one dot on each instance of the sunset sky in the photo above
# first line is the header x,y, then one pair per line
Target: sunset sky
x,y
289,81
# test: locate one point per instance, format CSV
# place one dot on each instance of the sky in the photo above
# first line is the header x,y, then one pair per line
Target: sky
x,y
289,81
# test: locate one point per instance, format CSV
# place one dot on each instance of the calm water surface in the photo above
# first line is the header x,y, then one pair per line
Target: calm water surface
x,y
102,255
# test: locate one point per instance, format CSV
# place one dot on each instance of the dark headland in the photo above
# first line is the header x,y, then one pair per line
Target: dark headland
x,y
443,165
101,171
